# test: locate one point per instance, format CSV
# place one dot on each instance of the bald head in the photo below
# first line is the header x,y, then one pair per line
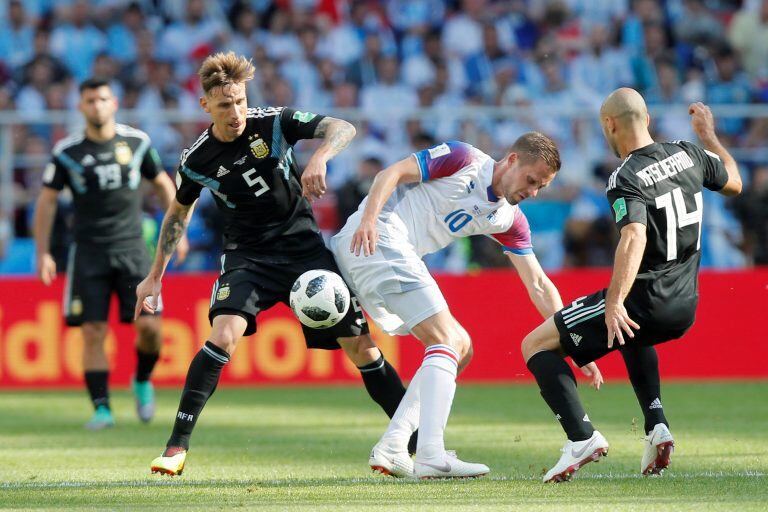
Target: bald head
x,y
624,118
625,105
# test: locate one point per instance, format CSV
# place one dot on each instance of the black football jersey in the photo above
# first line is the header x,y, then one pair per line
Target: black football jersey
x,y
256,184
104,178
660,186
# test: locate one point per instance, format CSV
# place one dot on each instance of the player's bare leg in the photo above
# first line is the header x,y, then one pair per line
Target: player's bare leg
x,y
148,343
427,402
543,355
96,374
202,379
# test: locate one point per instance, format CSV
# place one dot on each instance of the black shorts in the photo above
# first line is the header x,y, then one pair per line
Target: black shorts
x,y
584,335
247,286
94,272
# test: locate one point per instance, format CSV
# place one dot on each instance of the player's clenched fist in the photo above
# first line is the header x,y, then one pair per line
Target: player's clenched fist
x,y
46,269
702,120
365,238
147,294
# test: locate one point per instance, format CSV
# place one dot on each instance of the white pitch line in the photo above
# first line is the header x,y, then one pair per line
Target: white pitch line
x,y
348,481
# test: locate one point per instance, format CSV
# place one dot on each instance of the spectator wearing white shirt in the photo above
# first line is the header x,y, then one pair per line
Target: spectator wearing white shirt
x,y
389,100
180,39
463,32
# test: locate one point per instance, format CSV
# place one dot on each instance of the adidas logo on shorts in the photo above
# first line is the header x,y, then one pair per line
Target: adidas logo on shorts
x,y
576,339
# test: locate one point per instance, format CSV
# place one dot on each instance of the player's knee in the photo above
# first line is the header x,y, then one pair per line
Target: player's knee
x,y
361,350
464,362
148,334
94,334
460,342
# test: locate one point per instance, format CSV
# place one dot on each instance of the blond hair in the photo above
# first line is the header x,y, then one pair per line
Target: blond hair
x,y
533,146
223,69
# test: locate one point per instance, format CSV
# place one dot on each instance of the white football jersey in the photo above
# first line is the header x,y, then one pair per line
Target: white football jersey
x,y
453,200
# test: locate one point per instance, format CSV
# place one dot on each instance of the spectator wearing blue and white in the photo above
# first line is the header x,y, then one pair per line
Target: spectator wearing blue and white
x,y
303,72
123,35
697,25
728,84
180,39
412,20
31,98
463,32
16,36
633,28
362,71
346,42
247,34
655,46
388,101
601,68
666,92
482,67
598,12
77,41
281,42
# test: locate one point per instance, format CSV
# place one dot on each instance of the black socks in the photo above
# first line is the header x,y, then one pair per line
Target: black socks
x,y
98,388
202,378
558,388
643,369
145,363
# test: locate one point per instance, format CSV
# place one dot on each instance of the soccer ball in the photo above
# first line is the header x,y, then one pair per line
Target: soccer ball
x,y
319,298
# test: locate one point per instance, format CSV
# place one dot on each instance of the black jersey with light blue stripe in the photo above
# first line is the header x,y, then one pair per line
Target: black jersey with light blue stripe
x,y
256,184
104,178
660,186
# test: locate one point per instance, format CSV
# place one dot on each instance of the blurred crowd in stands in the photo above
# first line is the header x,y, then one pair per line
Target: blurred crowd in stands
x,y
390,58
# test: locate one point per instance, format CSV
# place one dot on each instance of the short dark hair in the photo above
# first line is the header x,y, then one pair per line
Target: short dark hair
x,y
533,146
93,83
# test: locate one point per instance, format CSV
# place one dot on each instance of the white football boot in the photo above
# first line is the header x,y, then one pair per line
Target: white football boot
x,y
659,446
448,466
575,455
387,461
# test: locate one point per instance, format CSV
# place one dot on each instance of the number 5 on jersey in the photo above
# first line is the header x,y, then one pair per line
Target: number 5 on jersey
x,y
674,207
259,180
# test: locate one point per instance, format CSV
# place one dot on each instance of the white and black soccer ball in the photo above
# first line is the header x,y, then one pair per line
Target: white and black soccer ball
x,y
319,298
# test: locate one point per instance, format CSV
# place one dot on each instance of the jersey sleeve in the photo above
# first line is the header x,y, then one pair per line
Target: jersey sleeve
x,y
55,174
151,165
715,175
627,202
297,125
187,190
443,160
517,239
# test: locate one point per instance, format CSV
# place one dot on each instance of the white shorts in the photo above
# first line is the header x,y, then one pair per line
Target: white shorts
x,y
393,285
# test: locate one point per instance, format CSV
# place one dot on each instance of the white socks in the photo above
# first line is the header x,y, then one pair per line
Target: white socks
x,y
438,386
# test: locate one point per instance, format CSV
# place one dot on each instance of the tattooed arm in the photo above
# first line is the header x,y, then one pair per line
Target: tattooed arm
x,y
336,135
174,225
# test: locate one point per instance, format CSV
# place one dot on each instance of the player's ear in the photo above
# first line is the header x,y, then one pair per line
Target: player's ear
x,y
512,158
204,104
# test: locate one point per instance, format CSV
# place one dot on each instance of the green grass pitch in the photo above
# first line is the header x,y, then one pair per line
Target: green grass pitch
x,y
306,449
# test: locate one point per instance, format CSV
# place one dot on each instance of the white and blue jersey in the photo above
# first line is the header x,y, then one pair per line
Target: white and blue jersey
x,y
453,200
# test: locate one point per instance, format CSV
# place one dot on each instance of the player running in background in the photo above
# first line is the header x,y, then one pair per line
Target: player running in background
x,y
245,158
103,167
657,201
418,206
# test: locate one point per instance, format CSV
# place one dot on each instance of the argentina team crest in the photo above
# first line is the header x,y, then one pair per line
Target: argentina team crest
x,y
223,293
259,148
123,153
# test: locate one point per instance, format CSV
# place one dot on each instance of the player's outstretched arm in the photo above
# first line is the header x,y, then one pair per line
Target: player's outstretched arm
x,y
629,254
166,192
336,135
541,290
703,124
365,237
174,226
45,211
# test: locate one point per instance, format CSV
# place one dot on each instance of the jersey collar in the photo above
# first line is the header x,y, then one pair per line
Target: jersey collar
x,y
650,148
